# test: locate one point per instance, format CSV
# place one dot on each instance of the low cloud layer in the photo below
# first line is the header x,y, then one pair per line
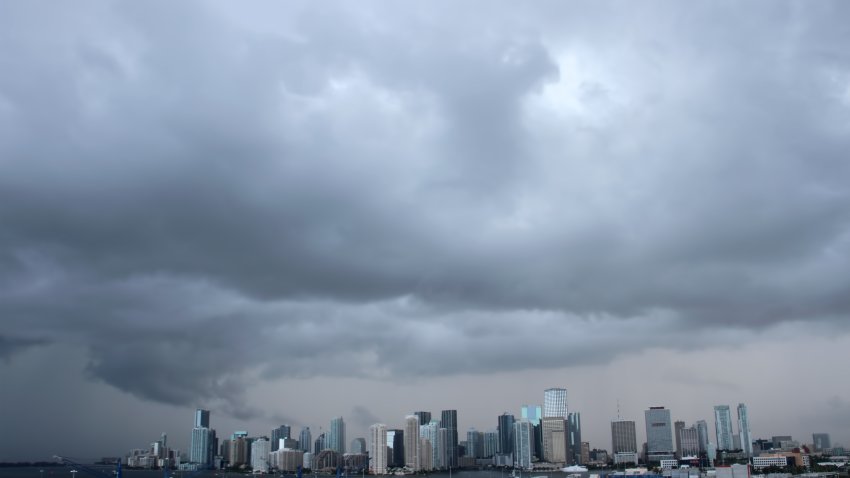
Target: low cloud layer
x,y
346,192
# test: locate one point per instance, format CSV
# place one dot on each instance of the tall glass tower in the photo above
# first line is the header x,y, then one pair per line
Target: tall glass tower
x,y
723,427
336,437
555,402
744,430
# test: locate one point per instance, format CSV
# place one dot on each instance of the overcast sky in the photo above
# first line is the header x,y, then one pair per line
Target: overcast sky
x,y
288,211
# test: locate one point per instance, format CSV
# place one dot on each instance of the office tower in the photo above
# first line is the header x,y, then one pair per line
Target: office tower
x,y
424,417
411,442
723,427
305,438
702,431
358,445
320,444
678,425
474,443
336,436
688,441
659,434
506,434
574,433
441,453
623,437
523,443
821,441
378,449
554,439
202,418
260,450
555,403
744,430
395,440
278,434
532,413
203,442
448,420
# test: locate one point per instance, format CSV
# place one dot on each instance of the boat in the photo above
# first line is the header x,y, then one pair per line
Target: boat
x,y
574,469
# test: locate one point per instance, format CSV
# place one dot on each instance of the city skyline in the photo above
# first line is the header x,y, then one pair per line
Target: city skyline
x,y
287,212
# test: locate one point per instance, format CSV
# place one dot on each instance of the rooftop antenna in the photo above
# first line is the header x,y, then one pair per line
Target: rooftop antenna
x,y
618,409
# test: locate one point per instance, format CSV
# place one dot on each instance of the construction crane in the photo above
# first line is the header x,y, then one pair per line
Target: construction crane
x,y
90,470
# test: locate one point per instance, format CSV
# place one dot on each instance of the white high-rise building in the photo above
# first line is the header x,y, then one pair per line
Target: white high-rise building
x,y
378,449
555,402
260,450
523,443
411,442
744,430
723,427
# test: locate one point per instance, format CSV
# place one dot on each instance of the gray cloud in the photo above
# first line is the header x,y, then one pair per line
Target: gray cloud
x,y
383,193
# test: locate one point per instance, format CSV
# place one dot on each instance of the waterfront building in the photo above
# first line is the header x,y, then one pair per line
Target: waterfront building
x,y
431,433
204,443
746,438
411,443
523,443
474,443
395,440
289,460
260,451
426,454
555,403
448,420
532,413
278,434
821,441
574,433
505,428
554,439
723,427
378,449
659,435
305,438
336,437
491,444
624,441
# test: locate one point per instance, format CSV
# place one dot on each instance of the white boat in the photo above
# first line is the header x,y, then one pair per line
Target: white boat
x,y
574,469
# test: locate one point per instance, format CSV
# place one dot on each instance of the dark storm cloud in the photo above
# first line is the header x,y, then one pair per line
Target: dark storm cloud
x,y
383,193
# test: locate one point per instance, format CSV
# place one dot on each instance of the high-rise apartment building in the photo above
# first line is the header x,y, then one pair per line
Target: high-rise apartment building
x,y
431,433
574,432
378,449
474,443
395,440
336,436
555,402
260,451
523,443
659,434
203,443
688,441
202,418
702,432
723,427
744,430
505,427
411,442
678,425
448,420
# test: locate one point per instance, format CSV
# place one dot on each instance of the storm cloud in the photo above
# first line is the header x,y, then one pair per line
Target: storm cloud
x,y
393,191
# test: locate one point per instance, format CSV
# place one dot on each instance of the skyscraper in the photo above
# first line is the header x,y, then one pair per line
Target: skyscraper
x,y
688,441
378,449
555,402
723,427
523,442
506,433
395,440
623,437
448,420
744,430
279,433
574,432
532,413
411,442
430,432
336,436
678,425
554,439
424,417
305,438
821,441
202,418
702,432
659,434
